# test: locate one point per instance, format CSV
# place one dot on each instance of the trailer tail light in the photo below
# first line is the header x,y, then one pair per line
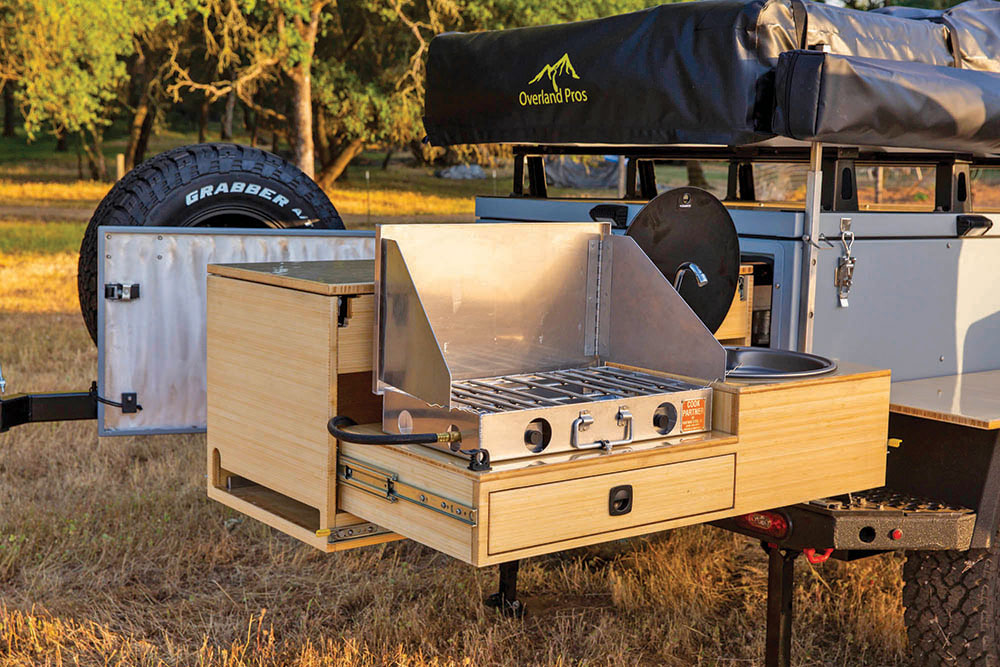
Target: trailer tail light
x,y
773,524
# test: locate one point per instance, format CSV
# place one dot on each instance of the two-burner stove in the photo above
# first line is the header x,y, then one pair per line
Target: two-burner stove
x,y
535,339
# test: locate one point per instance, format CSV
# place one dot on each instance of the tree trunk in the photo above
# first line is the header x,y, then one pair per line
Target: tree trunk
x,y
8,109
696,175
95,154
322,138
226,132
142,112
144,134
302,122
250,123
62,144
331,172
203,120
274,142
301,135
139,88
388,156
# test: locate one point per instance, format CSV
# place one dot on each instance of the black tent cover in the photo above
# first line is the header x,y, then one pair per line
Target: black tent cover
x,y
727,72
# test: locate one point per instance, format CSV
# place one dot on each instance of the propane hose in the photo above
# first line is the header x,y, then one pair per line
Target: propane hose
x,y
336,428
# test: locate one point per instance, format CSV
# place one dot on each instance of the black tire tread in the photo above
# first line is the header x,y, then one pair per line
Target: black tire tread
x,y
951,607
132,198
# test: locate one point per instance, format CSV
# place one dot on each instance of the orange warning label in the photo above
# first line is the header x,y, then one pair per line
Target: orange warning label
x,y
693,415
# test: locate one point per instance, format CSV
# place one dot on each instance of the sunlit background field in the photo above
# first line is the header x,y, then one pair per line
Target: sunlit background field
x,y
111,554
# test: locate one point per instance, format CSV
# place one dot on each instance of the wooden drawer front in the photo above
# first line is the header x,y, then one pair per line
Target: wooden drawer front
x,y
547,513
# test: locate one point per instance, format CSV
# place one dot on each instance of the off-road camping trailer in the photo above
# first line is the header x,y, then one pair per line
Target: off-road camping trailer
x,y
524,386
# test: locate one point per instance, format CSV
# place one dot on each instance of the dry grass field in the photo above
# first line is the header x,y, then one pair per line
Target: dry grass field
x,y
111,554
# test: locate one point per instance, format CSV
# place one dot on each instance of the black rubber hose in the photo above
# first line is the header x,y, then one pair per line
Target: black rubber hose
x,y
336,425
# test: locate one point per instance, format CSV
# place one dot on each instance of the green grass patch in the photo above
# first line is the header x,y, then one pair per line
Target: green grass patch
x,y
33,236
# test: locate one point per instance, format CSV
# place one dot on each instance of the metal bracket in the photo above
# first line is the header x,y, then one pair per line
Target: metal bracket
x,y
353,532
370,479
344,310
121,291
741,286
3,383
845,265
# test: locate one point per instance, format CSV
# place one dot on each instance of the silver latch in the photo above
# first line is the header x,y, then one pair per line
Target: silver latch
x,y
3,383
121,291
586,420
845,265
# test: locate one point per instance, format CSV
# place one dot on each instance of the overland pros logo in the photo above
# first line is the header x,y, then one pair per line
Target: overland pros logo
x,y
555,73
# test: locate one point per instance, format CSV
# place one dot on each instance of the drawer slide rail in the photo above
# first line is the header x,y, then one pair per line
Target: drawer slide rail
x,y
385,484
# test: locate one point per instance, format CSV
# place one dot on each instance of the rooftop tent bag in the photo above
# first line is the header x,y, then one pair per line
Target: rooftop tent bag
x,y
678,73
864,101
975,29
847,32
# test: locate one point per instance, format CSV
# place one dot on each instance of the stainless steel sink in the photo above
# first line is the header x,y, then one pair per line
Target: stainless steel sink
x,y
765,363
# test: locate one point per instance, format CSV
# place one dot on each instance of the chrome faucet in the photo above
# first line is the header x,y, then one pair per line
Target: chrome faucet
x,y
699,275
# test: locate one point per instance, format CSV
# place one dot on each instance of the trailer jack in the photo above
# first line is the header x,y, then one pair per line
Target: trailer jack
x,y
780,577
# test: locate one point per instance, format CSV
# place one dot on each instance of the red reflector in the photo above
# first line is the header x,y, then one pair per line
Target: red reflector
x,y
772,524
897,534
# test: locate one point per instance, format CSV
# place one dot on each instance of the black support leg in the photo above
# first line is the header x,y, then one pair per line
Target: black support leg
x,y
780,577
505,599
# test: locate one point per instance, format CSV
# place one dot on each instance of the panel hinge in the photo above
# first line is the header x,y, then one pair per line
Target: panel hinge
x,y
121,291
370,479
356,531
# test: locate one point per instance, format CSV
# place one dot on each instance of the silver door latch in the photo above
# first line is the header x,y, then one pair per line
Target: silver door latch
x,y
121,291
845,265
3,383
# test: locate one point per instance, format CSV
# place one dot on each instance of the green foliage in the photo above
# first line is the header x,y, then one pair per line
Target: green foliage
x,y
67,55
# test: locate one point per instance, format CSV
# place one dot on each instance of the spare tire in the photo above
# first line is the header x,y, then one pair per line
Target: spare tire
x,y
206,185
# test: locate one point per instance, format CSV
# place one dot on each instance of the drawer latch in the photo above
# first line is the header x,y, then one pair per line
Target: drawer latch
x,y
620,500
384,484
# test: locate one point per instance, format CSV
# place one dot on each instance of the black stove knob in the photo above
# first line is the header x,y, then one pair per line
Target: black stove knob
x,y
665,418
537,435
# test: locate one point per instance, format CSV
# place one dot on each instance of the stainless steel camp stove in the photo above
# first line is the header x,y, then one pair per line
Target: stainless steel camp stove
x,y
535,338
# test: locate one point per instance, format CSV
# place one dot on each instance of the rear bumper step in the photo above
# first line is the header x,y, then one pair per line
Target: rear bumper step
x,y
870,521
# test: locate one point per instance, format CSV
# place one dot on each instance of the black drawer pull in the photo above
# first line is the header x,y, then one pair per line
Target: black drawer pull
x,y
620,500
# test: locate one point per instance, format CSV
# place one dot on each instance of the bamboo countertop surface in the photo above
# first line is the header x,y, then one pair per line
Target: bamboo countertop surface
x,y
330,278
967,399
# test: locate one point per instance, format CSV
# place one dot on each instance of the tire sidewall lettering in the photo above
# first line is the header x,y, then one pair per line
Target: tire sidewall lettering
x,y
247,188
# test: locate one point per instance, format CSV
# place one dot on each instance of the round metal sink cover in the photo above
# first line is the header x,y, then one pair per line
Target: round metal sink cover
x,y
691,225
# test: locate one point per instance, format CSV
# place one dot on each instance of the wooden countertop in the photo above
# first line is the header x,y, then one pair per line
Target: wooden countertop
x,y
845,371
967,399
330,278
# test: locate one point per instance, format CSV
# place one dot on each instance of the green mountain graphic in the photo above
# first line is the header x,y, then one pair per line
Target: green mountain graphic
x,y
560,68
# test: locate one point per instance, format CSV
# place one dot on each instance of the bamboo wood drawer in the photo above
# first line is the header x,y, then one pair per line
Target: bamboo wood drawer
x,y
580,508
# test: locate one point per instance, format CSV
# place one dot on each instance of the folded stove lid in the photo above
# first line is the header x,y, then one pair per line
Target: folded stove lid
x,y
691,225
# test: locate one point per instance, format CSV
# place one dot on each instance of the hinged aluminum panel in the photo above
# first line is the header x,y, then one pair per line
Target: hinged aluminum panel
x,y
155,345
468,301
